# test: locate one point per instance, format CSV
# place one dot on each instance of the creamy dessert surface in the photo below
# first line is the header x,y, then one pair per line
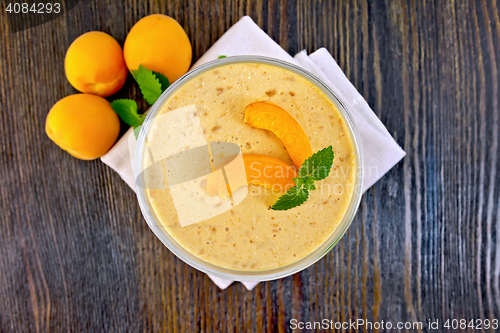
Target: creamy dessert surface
x,y
250,236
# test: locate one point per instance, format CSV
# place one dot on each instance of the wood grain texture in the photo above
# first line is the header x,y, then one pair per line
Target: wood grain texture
x,y
76,254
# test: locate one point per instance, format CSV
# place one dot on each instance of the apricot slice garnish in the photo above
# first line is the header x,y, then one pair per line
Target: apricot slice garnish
x,y
271,117
263,170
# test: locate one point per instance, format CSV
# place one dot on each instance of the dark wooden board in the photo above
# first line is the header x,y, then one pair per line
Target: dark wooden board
x,y
76,254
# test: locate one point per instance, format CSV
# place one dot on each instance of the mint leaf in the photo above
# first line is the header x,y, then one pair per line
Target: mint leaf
x,y
148,83
294,197
309,184
299,181
318,165
164,82
306,182
126,109
221,57
136,131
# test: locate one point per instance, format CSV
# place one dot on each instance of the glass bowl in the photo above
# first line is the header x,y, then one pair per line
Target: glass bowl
x,y
224,273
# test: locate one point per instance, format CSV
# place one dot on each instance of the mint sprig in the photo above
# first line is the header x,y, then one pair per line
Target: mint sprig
x,y
149,83
152,85
315,168
126,109
164,82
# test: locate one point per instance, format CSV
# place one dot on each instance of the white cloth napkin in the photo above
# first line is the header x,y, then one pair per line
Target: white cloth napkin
x,y
380,150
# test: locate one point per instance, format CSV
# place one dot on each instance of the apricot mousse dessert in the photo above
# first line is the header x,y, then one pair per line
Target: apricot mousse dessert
x,y
299,166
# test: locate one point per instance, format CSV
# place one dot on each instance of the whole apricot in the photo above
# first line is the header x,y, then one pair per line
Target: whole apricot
x,y
84,125
94,64
160,44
